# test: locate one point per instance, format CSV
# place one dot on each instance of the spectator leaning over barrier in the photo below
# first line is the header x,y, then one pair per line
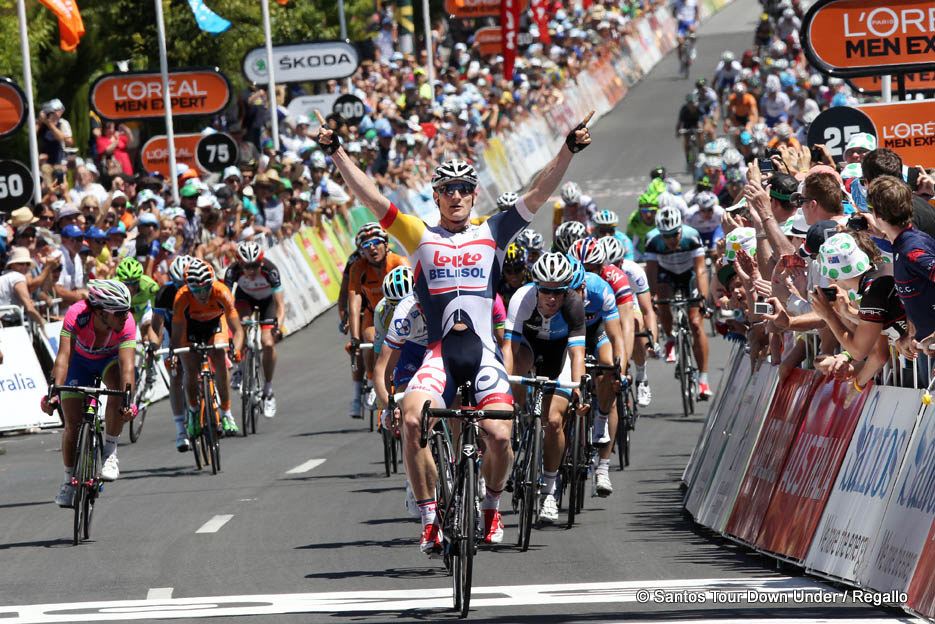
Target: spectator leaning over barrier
x,y
14,289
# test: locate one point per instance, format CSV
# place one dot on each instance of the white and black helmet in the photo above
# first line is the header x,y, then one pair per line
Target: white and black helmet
x,y
249,252
571,193
727,56
606,217
614,250
454,171
507,200
668,219
705,200
732,157
567,233
109,295
199,274
398,283
552,267
177,268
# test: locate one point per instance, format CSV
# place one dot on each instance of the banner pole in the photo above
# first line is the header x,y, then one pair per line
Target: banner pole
x,y
30,104
343,21
167,101
273,109
901,85
886,87
428,43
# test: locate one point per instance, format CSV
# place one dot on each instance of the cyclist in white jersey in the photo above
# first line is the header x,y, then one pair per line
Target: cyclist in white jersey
x,y
705,215
457,267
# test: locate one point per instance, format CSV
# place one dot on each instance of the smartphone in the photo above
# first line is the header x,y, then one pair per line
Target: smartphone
x,y
817,155
913,178
857,224
766,165
792,261
830,293
59,175
762,307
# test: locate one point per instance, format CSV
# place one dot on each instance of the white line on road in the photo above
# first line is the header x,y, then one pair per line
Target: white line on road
x,y
431,599
159,593
309,465
214,524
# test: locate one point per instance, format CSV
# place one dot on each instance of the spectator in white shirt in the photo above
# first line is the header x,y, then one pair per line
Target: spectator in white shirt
x,y
70,284
13,287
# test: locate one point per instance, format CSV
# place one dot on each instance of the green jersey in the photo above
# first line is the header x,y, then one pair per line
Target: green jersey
x,y
637,231
142,302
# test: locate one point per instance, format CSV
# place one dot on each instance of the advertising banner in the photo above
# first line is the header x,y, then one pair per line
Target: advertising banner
x,y
851,520
325,271
916,82
138,95
488,40
866,37
302,62
810,469
12,107
742,434
332,246
477,8
922,589
155,153
769,455
22,383
718,438
909,514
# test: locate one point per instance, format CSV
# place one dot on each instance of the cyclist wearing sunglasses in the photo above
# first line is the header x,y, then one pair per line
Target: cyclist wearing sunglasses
x,y
203,310
573,206
364,291
531,241
258,285
515,274
675,260
705,215
458,269
143,291
97,333
546,334
605,224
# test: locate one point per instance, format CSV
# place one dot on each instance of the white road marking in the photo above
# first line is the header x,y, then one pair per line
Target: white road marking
x,y
426,599
214,524
309,465
159,593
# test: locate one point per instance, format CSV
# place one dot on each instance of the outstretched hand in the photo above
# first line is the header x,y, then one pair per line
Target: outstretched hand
x,y
580,137
326,138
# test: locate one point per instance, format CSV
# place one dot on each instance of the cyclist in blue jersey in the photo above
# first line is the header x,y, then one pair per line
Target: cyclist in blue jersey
x,y
675,261
545,332
705,215
605,224
458,268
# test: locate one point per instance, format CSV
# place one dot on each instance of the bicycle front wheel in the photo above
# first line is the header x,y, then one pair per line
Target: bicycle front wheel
x,y
530,500
388,450
466,534
575,483
136,425
81,476
96,449
246,392
685,380
209,425
622,438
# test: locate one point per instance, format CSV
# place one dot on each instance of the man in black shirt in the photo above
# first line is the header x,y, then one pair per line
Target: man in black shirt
x,y
883,161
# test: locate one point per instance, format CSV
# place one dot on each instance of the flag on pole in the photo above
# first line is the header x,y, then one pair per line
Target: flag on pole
x,y
283,2
509,29
540,14
70,24
208,20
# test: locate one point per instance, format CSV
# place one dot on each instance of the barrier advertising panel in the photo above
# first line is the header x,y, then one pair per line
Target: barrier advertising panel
x,y
811,468
718,438
909,514
12,107
742,434
155,153
22,383
769,455
922,589
852,517
138,95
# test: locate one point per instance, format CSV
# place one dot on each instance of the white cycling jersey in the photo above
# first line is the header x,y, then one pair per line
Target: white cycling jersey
x,y
637,276
685,10
704,222
727,73
407,325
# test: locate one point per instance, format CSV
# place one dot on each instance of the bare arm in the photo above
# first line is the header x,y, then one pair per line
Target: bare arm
x,y
386,362
551,175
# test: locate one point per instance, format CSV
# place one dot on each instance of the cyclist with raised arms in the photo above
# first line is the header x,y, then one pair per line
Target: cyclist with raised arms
x,y
162,319
458,268
705,215
644,316
675,261
259,286
573,206
545,332
203,310
97,333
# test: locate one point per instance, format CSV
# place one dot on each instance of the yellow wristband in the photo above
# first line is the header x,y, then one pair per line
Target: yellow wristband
x,y
858,388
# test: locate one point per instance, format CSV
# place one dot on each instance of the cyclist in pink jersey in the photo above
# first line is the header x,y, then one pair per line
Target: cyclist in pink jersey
x,y
457,268
96,334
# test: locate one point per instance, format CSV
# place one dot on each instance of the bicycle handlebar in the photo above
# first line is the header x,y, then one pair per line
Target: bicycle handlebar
x,y
543,382
91,391
196,348
680,302
472,413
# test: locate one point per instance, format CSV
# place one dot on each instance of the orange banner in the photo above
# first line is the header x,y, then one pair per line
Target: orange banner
x,y
477,8
70,24
861,37
139,95
155,153
488,40
907,128
12,107
915,81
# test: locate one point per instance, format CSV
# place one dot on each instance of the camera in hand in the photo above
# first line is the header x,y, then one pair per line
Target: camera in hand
x,y
766,165
763,307
830,293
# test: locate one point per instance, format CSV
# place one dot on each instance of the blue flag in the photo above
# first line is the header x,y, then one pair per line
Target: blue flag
x,y
207,19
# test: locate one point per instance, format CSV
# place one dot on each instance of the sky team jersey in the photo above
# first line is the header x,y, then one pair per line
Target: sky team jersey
x,y
618,282
914,272
456,273
637,276
141,303
599,301
79,327
524,321
265,285
678,260
220,302
367,279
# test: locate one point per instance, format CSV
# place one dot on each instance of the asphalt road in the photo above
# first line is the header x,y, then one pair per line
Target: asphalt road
x,y
279,537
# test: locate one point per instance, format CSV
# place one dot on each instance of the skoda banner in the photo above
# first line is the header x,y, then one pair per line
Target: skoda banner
x,y
302,62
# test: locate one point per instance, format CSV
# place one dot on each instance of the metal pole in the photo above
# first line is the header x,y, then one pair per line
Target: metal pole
x,y
350,85
428,43
273,110
167,101
886,87
30,105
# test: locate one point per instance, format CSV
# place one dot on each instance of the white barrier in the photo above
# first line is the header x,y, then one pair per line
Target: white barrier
x,y
22,384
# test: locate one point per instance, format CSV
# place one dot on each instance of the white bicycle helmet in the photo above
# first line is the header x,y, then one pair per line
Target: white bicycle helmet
x,y
507,200
673,186
706,200
369,230
249,252
588,251
199,274
177,268
109,295
606,217
727,56
454,171
668,219
552,267
571,193
398,283
732,157
567,233
614,251
740,88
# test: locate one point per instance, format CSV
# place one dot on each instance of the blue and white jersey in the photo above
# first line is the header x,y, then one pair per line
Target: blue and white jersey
x,y
406,330
637,276
682,258
524,321
708,225
600,304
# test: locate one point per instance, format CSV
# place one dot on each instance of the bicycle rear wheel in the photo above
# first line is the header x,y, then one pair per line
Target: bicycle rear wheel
x,y
685,380
466,533
246,392
574,482
388,449
136,425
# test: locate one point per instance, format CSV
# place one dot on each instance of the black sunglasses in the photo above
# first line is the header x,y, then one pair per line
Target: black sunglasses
x,y
461,187
552,291
251,266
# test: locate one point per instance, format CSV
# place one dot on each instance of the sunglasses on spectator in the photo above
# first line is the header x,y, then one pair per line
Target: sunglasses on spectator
x,y
552,291
250,266
373,242
460,187
119,204
802,200
46,217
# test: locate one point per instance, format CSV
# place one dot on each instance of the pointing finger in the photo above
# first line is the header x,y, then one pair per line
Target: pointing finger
x,y
587,119
321,119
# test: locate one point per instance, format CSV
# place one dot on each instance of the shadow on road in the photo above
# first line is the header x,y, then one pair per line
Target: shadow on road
x,y
396,573
398,542
38,544
333,432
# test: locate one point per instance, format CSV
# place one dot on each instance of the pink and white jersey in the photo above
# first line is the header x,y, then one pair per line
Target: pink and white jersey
x,y
618,282
80,329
